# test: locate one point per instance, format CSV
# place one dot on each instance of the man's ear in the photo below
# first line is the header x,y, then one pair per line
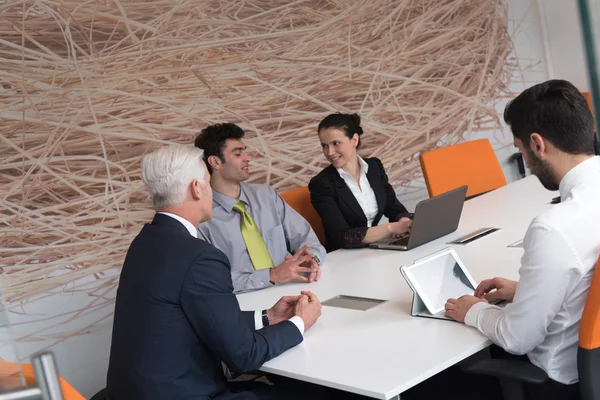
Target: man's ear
x,y
215,162
196,189
537,144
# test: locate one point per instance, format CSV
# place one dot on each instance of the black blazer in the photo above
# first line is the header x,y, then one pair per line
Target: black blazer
x,y
176,318
344,221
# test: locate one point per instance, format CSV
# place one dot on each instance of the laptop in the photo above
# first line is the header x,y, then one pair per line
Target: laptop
x,y
433,218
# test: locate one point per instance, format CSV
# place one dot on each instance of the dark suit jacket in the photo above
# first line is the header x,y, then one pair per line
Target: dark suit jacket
x,y
176,318
344,221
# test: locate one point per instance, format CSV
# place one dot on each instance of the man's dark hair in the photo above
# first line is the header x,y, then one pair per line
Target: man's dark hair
x,y
212,140
556,110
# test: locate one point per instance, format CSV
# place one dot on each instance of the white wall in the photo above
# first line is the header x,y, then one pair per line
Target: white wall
x,y
565,42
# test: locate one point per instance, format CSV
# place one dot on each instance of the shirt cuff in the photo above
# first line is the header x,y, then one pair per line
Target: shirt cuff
x,y
473,314
258,320
296,320
264,278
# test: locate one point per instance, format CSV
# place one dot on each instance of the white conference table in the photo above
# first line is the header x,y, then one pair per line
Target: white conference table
x,y
383,351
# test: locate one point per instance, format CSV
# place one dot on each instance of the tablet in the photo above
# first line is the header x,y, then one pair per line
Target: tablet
x,y
437,278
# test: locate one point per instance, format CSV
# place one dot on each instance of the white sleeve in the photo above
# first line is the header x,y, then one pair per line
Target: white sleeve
x,y
258,320
299,323
548,266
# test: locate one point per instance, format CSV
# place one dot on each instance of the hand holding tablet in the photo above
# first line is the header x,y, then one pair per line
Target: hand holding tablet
x,y
434,280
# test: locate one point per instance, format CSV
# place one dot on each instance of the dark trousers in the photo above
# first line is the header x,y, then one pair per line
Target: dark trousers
x,y
283,389
549,390
453,384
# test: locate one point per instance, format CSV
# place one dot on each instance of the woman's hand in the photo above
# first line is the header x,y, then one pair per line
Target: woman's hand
x,y
399,228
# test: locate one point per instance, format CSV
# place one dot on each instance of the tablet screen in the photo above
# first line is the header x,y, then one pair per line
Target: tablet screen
x,y
439,279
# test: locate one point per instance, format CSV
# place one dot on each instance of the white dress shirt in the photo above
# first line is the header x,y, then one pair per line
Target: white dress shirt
x,y
364,193
258,324
562,246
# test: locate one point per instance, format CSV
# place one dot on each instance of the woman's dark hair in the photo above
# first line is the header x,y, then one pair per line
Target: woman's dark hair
x,y
347,123
556,110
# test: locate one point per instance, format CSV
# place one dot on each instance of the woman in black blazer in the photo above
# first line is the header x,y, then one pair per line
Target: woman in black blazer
x,y
352,194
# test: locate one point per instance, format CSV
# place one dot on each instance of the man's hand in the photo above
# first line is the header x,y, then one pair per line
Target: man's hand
x,y
311,264
496,289
457,308
308,308
292,269
283,310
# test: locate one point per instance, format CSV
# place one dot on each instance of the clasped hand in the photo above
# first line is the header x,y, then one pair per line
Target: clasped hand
x,y
300,267
306,306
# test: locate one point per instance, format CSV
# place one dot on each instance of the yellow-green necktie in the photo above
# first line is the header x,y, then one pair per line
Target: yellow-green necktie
x,y
257,249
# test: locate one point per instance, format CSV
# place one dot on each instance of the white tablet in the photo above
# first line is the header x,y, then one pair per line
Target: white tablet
x,y
438,278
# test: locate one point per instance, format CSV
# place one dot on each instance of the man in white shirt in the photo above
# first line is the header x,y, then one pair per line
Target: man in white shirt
x,y
553,127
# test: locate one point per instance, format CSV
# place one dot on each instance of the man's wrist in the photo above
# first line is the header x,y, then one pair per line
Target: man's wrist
x,y
273,319
266,320
273,276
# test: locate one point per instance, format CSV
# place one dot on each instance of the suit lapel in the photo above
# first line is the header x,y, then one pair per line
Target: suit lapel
x,y
346,194
376,184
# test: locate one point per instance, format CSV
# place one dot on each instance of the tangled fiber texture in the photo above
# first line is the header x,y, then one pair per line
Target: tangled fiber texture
x,y
89,87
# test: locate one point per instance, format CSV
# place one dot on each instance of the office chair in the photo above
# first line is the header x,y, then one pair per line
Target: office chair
x,y
588,98
101,395
299,200
41,377
471,163
514,374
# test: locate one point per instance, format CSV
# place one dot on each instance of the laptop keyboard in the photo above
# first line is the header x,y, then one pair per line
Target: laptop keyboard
x,y
403,241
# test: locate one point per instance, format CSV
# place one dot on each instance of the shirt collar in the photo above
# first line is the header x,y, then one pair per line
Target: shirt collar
x,y
227,202
577,174
364,168
188,225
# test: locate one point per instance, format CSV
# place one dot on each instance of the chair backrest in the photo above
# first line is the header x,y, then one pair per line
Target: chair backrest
x,y
588,356
588,98
13,369
471,163
299,200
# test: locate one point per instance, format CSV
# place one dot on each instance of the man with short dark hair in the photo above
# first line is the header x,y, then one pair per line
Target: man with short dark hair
x,y
553,127
266,241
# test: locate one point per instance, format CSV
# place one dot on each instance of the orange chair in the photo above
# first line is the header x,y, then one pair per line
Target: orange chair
x,y
471,163
12,370
299,200
588,98
588,354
